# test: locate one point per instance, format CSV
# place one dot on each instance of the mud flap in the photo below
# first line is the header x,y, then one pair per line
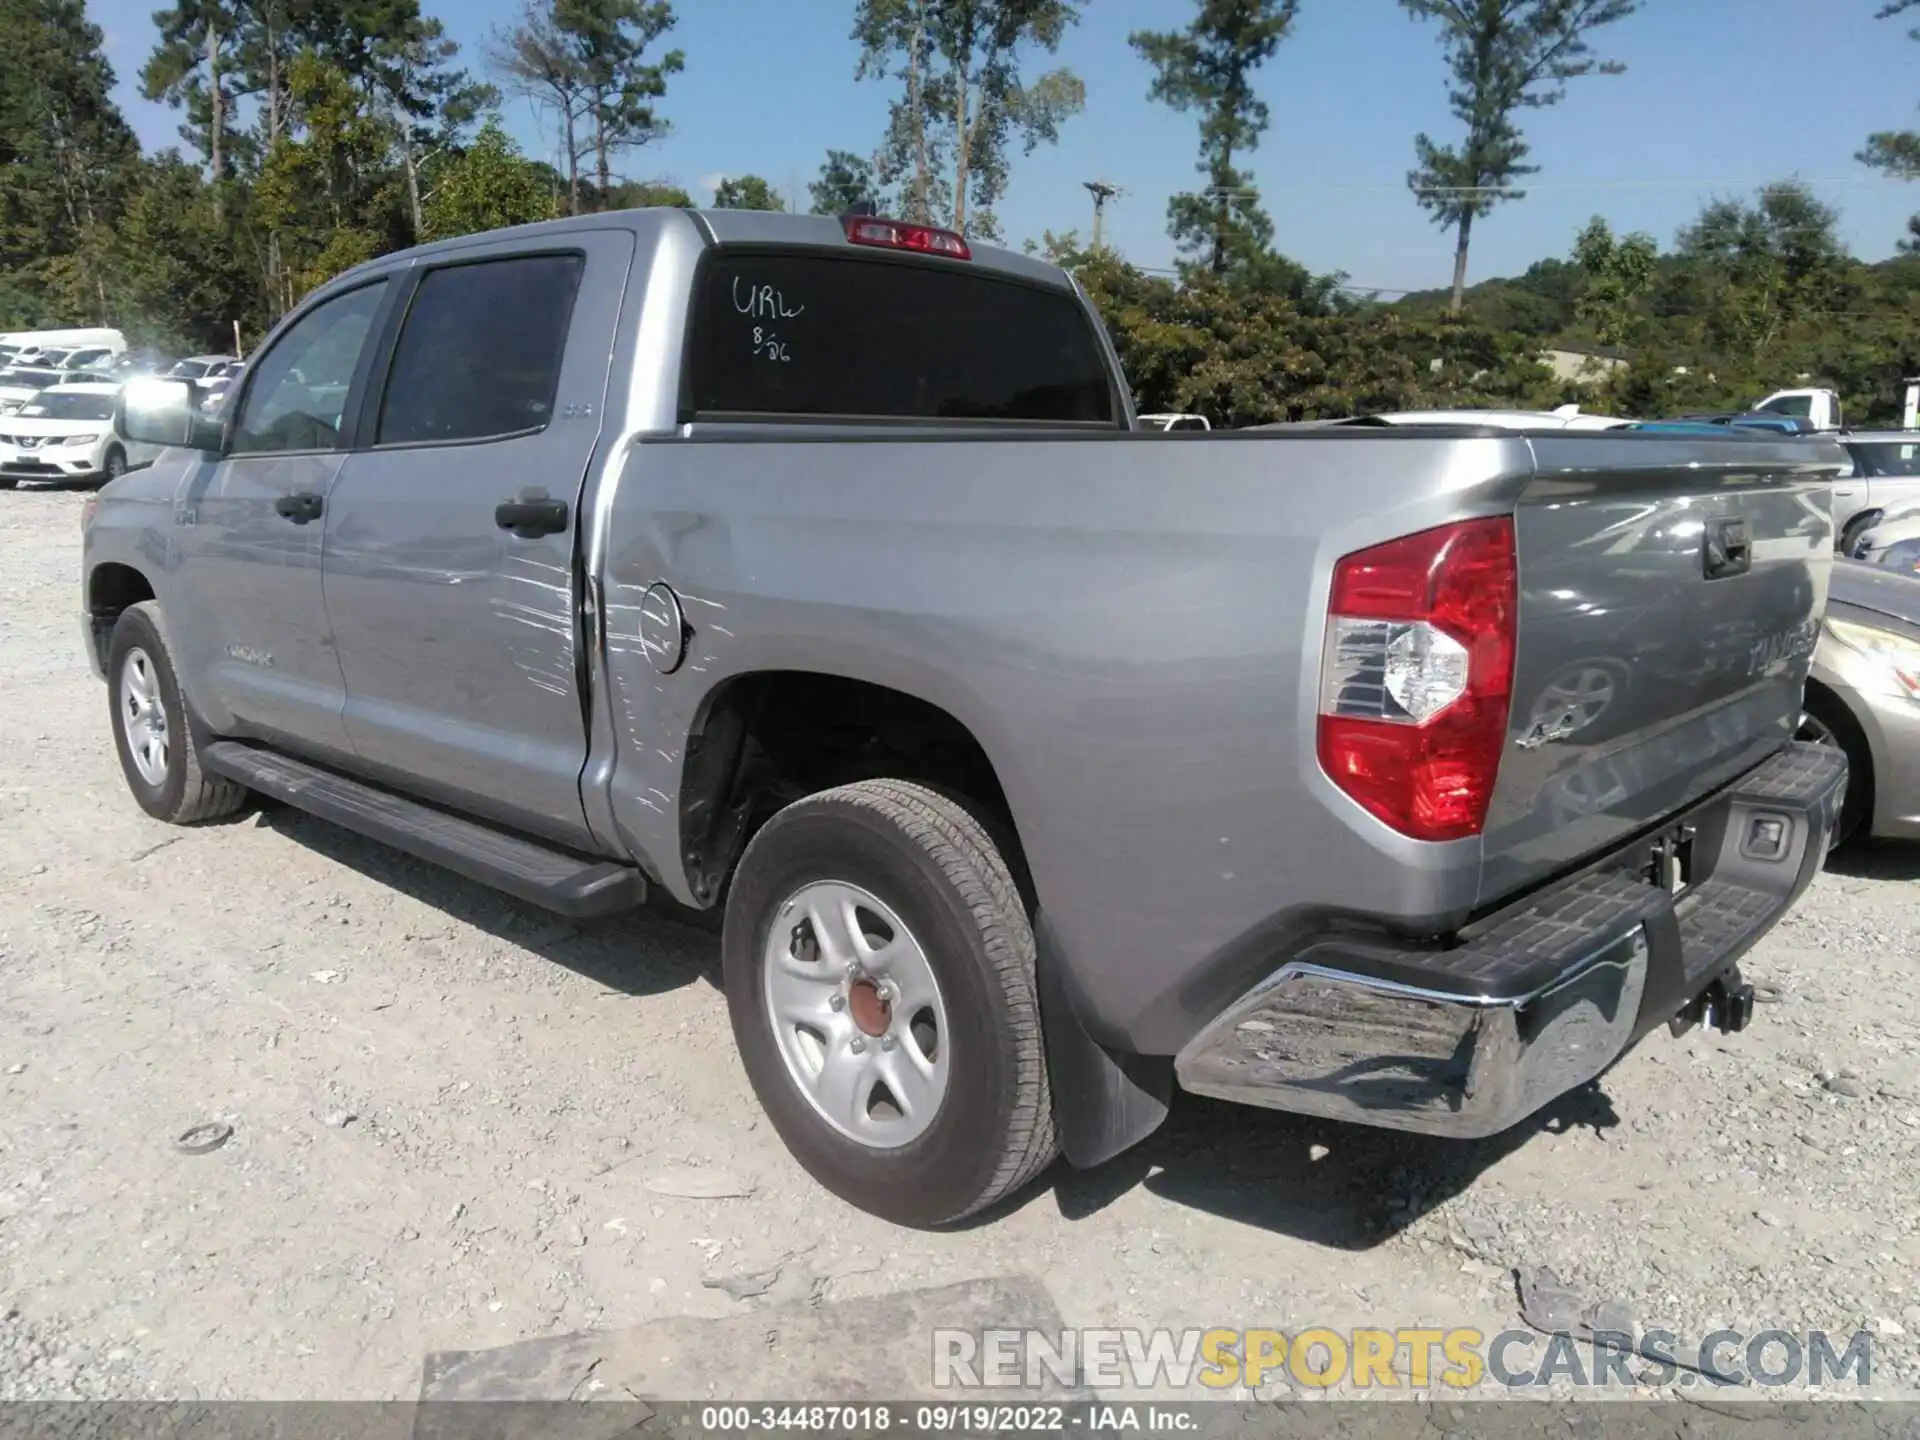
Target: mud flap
x,y
1103,1103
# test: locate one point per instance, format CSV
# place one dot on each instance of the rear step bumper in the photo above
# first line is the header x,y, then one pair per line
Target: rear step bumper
x,y
1540,998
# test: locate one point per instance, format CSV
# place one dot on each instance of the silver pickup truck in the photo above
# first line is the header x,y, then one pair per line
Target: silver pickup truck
x,y
814,568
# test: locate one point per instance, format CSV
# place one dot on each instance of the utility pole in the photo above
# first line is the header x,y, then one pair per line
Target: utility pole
x,y
1101,192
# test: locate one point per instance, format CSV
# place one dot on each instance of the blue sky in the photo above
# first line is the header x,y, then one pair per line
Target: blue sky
x,y
1719,95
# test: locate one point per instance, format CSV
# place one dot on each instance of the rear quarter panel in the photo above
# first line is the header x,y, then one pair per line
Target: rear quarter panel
x,y
1131,626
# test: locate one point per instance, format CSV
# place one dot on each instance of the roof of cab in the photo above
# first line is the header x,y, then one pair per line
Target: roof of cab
x,y
721,227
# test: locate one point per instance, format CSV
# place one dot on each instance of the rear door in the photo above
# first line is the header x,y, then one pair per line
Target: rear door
x,y
1668,615
450,574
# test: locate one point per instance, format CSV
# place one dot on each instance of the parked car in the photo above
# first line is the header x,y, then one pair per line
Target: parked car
x,y
1567,417
1892,542
201,367
1885,479
20,383
1863,697
66,432
37,342
807,567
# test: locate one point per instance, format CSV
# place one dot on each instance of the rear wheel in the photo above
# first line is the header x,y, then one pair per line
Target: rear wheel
x,y
1825,721
880,976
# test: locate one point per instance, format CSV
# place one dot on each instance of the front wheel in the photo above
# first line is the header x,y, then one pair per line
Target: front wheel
x,y
879,972
158,752
115,467
1855,531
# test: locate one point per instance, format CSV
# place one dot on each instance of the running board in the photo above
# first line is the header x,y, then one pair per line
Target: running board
x,y
570,884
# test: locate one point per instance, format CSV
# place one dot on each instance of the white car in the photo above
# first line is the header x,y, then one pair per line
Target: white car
x,y
1567,417
66,433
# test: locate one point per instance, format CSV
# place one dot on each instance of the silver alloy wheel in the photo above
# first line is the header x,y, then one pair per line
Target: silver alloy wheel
x,y
143,716
857,1014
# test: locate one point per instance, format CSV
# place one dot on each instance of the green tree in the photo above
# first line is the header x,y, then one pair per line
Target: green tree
x,y
609,40
490,185
192,67
178,282
66,159
746,192
328,189
1757,271
965,101
427,100
644,194
1616,272
1897,152
536,59
845,180
1209,67
1505,56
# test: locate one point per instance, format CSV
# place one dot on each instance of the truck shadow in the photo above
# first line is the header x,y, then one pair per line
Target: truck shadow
x,y
661,948
1877,860
1347,1187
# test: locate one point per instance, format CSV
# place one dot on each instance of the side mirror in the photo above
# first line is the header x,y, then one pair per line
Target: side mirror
x,y
154,411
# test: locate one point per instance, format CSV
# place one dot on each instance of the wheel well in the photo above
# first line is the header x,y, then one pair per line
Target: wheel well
x,y
768,739
1855,527
1833,711
111,589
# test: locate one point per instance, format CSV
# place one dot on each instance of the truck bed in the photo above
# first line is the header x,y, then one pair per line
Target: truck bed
x,y
1132,626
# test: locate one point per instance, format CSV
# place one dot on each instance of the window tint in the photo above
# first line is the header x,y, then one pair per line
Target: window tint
x,y
1798,406
823,335
300,391
479,355
1888,458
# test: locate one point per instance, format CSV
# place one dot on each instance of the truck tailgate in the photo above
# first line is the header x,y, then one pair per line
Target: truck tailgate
x,y
1667,621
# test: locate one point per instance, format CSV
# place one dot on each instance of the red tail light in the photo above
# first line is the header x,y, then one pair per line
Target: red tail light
x,y
1418,674
900,235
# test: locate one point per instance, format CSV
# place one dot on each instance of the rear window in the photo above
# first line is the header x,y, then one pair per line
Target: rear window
x,y
1890,458
828,336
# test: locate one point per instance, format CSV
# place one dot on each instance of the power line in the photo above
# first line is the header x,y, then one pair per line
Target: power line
x,y
1527,187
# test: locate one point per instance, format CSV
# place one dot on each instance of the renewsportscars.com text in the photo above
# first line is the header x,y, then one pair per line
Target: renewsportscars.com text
x,y
1379,1359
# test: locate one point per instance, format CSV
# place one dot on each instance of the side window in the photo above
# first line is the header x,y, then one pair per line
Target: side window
x,y
479,355
1800,407
300,391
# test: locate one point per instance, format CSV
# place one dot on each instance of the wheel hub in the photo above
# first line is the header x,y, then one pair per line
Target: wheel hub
x,y
869,1007
857,1013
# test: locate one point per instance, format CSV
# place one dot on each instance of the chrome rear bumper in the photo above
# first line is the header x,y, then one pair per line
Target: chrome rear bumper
x,y
1540,998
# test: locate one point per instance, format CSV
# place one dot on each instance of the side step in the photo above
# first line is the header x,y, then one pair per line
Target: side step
x,y
569,884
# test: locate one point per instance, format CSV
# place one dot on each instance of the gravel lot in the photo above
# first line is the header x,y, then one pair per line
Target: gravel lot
x,y
458,1122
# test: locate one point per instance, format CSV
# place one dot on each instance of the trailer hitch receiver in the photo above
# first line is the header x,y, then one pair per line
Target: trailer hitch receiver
x,y
1726,1005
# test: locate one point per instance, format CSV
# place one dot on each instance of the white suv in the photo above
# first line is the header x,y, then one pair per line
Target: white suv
x,y
66,433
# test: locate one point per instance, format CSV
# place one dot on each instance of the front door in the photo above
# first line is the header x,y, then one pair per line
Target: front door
x,y
247,615
450,570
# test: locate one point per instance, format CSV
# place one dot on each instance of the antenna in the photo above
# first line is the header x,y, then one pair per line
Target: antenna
x,y
1101,192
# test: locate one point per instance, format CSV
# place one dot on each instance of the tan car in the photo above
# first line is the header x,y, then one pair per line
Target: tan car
x,y
1864,697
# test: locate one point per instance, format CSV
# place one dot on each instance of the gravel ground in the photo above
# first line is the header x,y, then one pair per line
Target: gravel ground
x,y
458,1121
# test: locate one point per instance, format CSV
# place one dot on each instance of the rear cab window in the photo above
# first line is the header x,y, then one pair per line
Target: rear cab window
x,y
822,336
